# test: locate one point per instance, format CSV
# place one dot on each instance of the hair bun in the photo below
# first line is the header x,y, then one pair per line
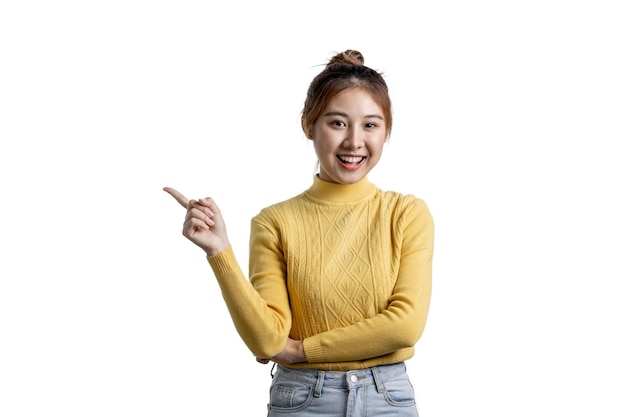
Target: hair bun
x,y
349,56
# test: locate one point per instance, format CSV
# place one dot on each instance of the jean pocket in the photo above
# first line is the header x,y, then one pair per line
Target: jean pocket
x,y
399,391
290,396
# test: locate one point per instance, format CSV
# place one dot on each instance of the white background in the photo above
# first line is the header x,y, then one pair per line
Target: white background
x,y
509,122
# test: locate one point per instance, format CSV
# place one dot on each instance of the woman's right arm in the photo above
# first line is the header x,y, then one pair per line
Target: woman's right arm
x,y
260,311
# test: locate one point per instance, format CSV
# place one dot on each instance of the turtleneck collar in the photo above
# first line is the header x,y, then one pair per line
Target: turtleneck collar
x,y
340,193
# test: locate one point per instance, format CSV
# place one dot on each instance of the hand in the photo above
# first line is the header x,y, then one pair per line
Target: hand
x,y
204,224
293,352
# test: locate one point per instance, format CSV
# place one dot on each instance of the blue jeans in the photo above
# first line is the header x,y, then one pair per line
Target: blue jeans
x,y
377,391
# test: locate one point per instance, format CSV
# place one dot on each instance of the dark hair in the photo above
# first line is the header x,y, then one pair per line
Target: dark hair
x,y
344,70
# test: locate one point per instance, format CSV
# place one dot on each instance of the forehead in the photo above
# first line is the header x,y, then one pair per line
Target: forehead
x,y
354,100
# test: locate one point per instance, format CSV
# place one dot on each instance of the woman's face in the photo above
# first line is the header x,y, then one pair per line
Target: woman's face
x,y
349,136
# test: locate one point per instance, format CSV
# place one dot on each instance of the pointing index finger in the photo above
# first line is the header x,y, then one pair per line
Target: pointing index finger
x,y
182,200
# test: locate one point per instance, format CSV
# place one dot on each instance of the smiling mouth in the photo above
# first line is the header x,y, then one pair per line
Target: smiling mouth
x,y
352,160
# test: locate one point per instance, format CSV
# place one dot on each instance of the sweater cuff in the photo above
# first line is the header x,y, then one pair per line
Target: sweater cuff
x,y
313,351
223,262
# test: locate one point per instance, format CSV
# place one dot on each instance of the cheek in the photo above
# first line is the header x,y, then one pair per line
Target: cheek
x,y
323,139
319,146
378,144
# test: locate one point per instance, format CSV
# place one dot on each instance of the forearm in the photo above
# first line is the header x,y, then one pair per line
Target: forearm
x,y
263,324
380,335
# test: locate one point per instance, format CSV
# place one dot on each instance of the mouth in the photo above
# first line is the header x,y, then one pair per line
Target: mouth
x,y
350,160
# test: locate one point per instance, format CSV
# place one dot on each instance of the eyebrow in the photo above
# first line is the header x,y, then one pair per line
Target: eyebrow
x,y
339,113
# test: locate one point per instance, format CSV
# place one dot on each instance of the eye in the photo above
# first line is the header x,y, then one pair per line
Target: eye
x,y
370,125
338,123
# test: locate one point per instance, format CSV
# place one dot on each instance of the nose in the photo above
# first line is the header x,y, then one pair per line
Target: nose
x,y
354,139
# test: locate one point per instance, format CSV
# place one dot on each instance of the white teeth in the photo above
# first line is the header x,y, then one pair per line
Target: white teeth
x,y
351,159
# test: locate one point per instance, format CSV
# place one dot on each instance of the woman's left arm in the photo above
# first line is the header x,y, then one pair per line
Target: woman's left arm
x,y
402,323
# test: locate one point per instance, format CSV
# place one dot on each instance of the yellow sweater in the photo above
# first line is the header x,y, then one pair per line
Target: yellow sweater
x,y
345,268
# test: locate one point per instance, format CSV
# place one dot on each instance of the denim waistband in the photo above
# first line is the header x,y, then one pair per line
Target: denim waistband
x,y
346,380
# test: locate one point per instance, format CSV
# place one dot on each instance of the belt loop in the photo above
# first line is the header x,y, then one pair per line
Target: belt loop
x,y
379,385
319,383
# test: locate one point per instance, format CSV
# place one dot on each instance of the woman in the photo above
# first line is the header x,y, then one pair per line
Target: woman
x,y
340,275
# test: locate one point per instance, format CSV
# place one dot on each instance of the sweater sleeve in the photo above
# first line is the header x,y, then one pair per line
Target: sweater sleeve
x,y
259,307
402,323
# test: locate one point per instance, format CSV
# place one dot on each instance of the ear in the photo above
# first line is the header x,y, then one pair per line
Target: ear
x,y
306,129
